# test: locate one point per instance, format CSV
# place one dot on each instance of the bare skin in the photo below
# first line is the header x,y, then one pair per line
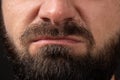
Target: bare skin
x,y
101,19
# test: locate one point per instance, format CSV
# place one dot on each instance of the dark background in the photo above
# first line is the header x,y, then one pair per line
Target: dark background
x,y
5,65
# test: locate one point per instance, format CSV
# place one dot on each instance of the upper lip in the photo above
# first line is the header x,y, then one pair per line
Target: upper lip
x,y
75,39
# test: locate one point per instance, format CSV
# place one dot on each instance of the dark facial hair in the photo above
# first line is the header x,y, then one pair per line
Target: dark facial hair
x,y
54,62
64,29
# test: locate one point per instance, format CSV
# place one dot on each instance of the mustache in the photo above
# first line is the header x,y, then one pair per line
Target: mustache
x,y
61,30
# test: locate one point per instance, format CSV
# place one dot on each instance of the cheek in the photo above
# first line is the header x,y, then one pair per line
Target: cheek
x,y
17,16
101,19
105,27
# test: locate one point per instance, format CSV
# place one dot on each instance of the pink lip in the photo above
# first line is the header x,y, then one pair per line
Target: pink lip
x,y
56,40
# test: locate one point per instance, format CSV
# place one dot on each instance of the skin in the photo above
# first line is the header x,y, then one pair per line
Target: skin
x,y
101,17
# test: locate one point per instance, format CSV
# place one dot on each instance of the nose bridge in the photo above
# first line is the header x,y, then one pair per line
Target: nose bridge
x,y
57,10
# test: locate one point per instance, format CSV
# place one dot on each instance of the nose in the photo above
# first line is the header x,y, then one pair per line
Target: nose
x,y
57,10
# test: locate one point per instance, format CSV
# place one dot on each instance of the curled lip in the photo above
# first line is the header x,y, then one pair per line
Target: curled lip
x,y
71,39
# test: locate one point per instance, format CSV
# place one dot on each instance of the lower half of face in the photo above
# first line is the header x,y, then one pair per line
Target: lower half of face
x,y
66,53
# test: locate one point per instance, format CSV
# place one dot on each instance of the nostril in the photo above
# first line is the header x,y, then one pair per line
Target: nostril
x,y
46,19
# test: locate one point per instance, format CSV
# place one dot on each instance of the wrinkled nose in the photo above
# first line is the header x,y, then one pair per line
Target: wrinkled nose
x,y
57,10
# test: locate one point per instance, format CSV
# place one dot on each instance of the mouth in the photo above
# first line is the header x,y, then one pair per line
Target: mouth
x,y
57,40
68,41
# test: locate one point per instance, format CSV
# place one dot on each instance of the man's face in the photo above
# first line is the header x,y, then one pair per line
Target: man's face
x,y
74,39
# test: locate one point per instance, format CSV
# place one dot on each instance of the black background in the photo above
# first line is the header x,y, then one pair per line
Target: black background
x,y
6,72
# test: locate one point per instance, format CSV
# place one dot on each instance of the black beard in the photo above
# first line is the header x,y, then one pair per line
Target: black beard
x,y
52,62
